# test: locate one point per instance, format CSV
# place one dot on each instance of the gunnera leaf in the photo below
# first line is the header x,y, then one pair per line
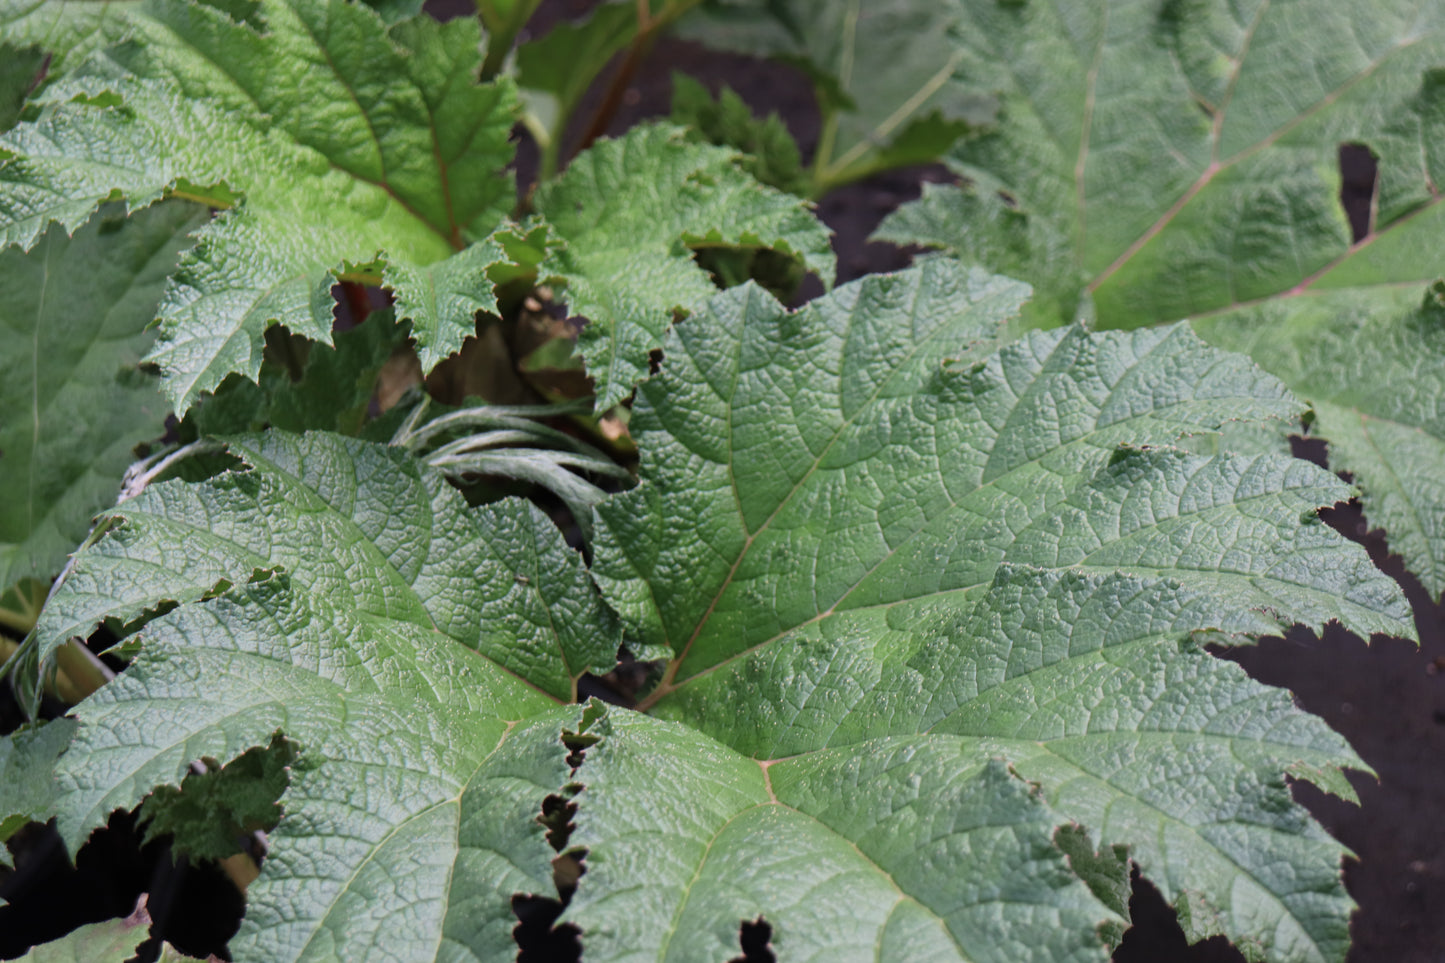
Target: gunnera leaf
x,y
1185,154
415,652
1155,161
73,403
629,213
1370,360
936,616
341,147
862,539
66,32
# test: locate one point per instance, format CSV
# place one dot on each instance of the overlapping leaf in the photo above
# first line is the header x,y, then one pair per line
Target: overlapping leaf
x,y
67,32
770,153
1173,158
629,212
27,765
413,648
1223,201
342,143
853,545
894,851
73,404
1371,363
366,530
883,70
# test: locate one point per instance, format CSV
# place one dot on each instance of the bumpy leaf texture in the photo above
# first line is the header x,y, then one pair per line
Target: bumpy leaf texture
x,y
340,143
1155,161
67,32
1372,365
414,649
630,212
856,547
1185,153
343,147
73,403
883,70
936,615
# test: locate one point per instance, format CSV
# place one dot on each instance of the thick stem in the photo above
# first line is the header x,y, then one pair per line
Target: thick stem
x,y
649,27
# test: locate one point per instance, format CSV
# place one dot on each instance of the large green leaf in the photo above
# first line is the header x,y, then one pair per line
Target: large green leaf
x,y
1176,157
1371,363
898,850
68,31
630,211
852,544
343,144
934,614
72,403
883,71
368,531
414,649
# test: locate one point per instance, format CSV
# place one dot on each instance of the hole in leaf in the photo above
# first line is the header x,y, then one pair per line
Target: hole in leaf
x,y
1359,175
538,940
557,814
628,681
1156,935
755,936
538,937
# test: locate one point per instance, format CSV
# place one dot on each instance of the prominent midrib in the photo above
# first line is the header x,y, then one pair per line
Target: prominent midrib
x,y
1084,441
1216,165
452,238
866,406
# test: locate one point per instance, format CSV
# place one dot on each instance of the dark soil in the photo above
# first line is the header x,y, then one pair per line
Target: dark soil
x,y
1387,697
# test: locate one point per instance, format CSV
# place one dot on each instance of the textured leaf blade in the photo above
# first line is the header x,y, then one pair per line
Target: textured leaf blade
x,y
27,765
1229,194
628,211
342,595
399,545
69,32
962,469
380,147
73,404
891,851
431,729
1370,362
1091,686
877,543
